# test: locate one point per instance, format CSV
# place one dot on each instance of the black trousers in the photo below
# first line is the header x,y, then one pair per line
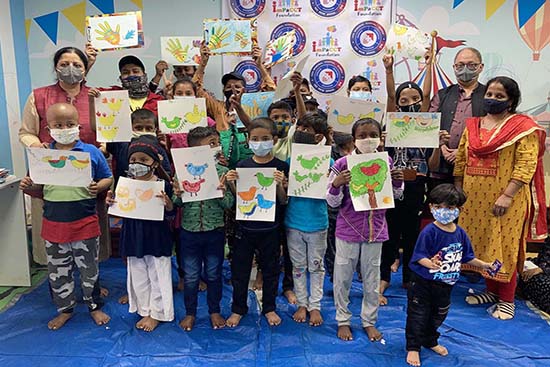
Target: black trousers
x,y
427,307
330,255
403,229
268,245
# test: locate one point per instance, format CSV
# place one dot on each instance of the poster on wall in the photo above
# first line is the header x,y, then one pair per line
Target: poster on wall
x,y
115,31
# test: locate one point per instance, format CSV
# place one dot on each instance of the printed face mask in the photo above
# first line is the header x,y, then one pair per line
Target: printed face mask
x,y
466,75
302,137
70,75
137,86
282,128
494,106
65,136
359,94
415,107
445,215
368,145
261,148
138,170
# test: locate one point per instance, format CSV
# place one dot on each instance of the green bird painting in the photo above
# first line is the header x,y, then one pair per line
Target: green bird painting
x,y
315,177
368,178
309,163
173,124
264,181
299,177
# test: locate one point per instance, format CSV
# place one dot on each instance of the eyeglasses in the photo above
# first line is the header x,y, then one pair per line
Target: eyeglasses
x,y
471,66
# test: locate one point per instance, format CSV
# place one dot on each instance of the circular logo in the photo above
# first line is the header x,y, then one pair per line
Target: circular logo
x,y
327,76
328,8
368,38
300,35
251,75
248,8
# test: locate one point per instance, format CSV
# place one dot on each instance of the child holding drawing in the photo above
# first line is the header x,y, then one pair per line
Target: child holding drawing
x,y
147,244
359,236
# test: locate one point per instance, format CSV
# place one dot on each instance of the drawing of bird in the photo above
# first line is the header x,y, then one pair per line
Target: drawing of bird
x,y
344,119
173,124
298,177
144,195
248,195
79,163
366,116
263,203
315,177
55,163
109,134
192,187
308,163
196,171
104,119
122,192
249,209
196,116
264,181
127,205
114,104
130,34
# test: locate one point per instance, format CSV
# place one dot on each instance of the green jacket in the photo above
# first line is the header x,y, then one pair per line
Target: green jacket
x,y
234,141
206,215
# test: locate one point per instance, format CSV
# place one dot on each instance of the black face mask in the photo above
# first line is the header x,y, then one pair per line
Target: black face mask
x,y
301,137
227,94
415,107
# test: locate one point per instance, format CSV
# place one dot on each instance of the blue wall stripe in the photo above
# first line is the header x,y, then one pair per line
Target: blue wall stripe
x,y
17,8
5,146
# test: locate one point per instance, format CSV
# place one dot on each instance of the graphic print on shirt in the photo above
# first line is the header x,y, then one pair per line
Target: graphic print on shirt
x,y
451,260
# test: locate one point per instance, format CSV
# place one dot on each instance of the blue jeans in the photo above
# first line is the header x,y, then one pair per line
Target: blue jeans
x,y
200,249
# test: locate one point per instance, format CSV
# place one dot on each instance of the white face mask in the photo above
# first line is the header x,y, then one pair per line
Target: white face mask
x,y
368,145
183,97
362,95
65,136
137,134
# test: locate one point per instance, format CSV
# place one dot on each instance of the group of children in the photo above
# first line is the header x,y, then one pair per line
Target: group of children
x,y
301,224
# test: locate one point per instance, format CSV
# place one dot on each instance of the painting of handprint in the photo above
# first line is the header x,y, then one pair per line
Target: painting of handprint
x,y
229,36
177,50
115,31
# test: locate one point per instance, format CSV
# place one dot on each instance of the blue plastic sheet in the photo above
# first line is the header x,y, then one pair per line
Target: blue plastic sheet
x,y
471,335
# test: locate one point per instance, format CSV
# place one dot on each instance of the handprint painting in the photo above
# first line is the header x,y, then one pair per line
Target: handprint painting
x,y
177,50
280,49
115,31
370,187
230,36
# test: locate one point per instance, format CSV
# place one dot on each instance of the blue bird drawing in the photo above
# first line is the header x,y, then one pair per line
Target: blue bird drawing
x,y
263,203
130,34
248,210
196,171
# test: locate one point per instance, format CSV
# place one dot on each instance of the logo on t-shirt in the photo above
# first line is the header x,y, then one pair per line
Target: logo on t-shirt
x,y
451,259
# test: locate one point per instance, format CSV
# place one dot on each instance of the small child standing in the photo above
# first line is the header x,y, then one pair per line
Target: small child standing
x,y
202,238
70,223
147,244
263,236
441,247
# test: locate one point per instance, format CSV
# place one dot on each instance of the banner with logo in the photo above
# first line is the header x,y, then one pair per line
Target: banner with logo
x,y
344,38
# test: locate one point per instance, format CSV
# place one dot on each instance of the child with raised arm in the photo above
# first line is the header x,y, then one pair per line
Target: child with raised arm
x,y
70,224
441,247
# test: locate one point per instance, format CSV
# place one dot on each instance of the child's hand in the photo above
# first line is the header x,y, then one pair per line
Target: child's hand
x,y
279,177
168,84
428,56
528,274
397,175
436,262
110,199
487,266
91,53
160,68
296,79
25,184
342,179
444,137
176,187
94,92
388,62
232,176
257,54
165,200
93,189
221,186
235,99
382,145
205,53
222,160
163,140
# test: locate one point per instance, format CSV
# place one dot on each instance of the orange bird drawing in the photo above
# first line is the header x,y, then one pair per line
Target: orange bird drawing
x,y
248,195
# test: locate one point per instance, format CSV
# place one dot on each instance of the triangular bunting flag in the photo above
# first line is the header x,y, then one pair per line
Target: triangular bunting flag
x,y
27,27
526,9
76,14
139,3
491,6
104,6
457,3
48,23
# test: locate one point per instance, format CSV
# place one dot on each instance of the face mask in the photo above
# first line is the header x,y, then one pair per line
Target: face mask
x,y
359,94
137,86
494,106
445,215
261,148
282,128
65,136
70,75
466,75
227,94
216,152
302,137
415,107
138,170
137,134
183,97
368,145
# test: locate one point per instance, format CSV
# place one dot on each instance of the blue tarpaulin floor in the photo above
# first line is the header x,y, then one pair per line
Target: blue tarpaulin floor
x,y
471,335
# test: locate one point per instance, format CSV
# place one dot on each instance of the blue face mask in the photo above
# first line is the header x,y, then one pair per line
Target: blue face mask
x,y
362,95
261,148
445,215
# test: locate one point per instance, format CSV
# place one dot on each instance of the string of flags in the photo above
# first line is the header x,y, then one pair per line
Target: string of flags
x,y
526,8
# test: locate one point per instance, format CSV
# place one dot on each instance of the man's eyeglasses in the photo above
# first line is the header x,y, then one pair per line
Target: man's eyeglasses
x,y
471,66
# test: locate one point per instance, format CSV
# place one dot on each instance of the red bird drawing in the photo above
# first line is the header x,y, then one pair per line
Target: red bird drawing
x,y
192,187
371,170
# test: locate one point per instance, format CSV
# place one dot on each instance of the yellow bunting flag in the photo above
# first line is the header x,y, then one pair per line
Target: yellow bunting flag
x,y
27,27
491,6
139,3
76,14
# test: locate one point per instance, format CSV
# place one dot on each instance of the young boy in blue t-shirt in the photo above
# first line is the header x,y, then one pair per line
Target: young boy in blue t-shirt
x,y
440,250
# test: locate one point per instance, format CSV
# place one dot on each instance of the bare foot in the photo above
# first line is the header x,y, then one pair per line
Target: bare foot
x,y
202,286
383,286
233,320
273,319
187,323
315,318
300,314
180,285
441,350
217,321
123,300
100,317
103,292
58,321
413,358
148,324
373,333
395,266
382,300
259,282
290,296
344,333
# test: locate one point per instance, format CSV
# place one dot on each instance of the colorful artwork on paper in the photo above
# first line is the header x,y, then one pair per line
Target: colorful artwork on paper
x,y
309,165
344,111
138,199
181,115
112,115
256,194
256,104
370,187
177,50
284,86
230,36
59,167
279,49
196,173
407,42
413,130
115,31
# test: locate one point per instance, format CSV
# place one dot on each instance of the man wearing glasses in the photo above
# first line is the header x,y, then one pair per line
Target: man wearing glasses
x,y
456,103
